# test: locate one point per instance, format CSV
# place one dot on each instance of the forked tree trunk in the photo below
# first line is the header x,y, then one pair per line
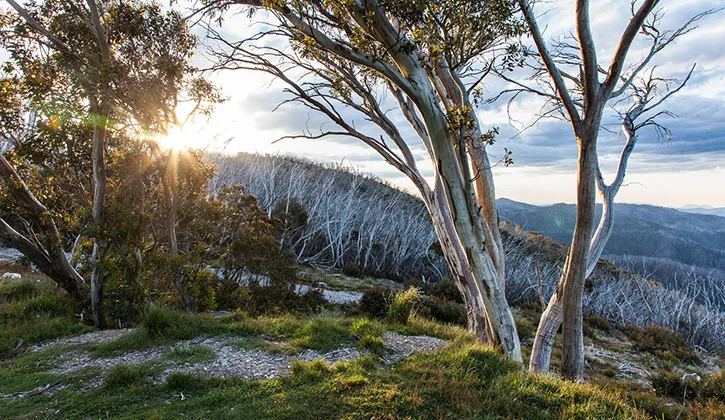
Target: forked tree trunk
x,y
552,317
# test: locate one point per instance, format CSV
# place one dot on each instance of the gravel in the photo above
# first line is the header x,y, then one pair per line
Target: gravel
x,y
230,360
407,345
332,296
95,337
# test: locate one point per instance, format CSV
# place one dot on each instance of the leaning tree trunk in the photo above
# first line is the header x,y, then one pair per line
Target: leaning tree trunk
x,y
466,221
45,248
458,265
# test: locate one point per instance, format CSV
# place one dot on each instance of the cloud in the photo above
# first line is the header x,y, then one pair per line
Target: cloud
x,y
547,149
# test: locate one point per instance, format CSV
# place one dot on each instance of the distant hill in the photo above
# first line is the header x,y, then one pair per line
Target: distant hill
x,y
714,211
643,230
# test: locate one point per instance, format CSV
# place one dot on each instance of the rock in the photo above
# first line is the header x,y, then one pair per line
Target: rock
x,y
12,276
9,255
407,345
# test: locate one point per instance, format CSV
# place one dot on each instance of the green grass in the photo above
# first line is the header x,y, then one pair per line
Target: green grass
x,y
189,353
32,311
461,381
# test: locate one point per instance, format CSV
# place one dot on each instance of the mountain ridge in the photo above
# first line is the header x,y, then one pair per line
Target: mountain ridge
x,y
639,229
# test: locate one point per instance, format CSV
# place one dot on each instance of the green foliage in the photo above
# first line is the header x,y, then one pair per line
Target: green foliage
x,y
671,384
182,381
661,342
188,353
22,289
596,321
290,218
32,312
375,302
403,305
447,290
369,335
714,386
322,333
124,375
443,311
310,371
352,269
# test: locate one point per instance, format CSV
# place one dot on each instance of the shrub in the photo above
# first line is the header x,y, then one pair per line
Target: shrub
x,y
311,301
34,312
352,269
182,381
323,333
11,291
165,323
661,342
714,386
674,385
525,329
232,296
375,302
443,310
124,375
446,289
403,305
596,321
190,353
369,335
310,371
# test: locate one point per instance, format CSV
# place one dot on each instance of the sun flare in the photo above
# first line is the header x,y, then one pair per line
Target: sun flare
x,y
179,138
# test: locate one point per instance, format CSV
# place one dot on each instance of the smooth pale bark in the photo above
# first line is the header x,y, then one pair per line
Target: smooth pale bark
x,y
572,354
458,265
100,127
552,317
44,248
458,191
465,227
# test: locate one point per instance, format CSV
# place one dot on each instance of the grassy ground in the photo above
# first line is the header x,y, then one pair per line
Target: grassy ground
x,y
33,310
463,380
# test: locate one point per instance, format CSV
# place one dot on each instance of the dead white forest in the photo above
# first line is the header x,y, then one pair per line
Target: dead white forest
x,y
355,218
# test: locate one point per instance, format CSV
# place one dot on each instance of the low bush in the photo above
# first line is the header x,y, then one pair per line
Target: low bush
x,y
661,342
403,305
125,375
375,302
25,288
182,381
190,353
714,387
447,290
352,269
442,310
31,312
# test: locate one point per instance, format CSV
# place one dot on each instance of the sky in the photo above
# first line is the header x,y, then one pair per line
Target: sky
x,y
688,170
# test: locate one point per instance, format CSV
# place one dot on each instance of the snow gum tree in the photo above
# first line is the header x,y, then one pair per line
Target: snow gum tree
x,y
579,88
357,58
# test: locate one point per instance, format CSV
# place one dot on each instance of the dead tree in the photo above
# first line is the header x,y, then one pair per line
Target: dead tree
x,y
580,97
